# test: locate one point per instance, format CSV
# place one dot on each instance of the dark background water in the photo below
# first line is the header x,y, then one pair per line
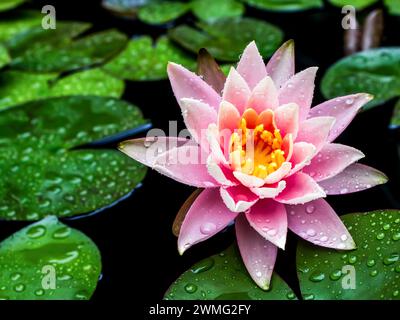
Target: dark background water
x,y
138,249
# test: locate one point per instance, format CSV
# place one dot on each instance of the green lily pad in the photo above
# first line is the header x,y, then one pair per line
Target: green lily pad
x,y
225,39
48,261
358,4
395,121
393,6
89,82
224,277
163,12
375,71
141,60
91,50
17,87
18,22
10,4
285,5
42,172
327,274
4,56
212,10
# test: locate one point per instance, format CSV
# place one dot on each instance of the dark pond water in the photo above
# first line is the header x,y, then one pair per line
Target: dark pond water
x,y
139,253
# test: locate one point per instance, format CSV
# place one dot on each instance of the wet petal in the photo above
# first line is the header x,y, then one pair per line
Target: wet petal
x,y
303,152
236,90
315,131
220,173
248,180
228,117
287,119
270,190
238,198
279,174
264,96
281,66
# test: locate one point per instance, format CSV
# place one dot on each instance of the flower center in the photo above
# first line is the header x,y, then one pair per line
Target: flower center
x,y
256,147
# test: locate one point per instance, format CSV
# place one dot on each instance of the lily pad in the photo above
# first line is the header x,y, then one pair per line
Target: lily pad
x,y
224,277
285,5
10,4
4,56
358,4
225,39
370,272
18,22
163,12
64,56
48,261
42,171
375,71
393,6
212,10
395,121
141,60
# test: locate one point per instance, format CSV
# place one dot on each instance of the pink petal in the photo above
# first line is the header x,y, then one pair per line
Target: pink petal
x,y
207,216
187,84
251,65
300,188
344,109
198,116
281,66
269,219
236,90
318,223
258,254
248,180
287,146
356,177
219,173
185,164
287,119
269,191
279,174
238,198
331,160
228,117
315,131
213,137
299,89
303,152
264,96
146,150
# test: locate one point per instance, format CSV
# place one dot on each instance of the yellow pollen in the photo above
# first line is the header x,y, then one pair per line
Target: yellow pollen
x,y
256,151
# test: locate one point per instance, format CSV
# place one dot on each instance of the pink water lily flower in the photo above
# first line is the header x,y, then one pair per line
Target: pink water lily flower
x,y
270,158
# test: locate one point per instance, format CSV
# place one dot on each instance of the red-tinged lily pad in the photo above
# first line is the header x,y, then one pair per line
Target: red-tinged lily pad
x,y
370,272
48,261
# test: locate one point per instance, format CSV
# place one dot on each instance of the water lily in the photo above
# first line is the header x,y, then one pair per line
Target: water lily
x,y
270,158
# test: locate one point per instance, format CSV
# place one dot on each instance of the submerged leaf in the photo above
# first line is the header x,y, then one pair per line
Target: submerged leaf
x,y
224,277
141,60
48,260
375,71
370,272
225,39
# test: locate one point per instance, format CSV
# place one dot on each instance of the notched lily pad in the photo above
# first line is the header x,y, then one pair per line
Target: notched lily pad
x,y
213,10
358,4
285,5
370,272
141,60
375,71
393,6
42,172
162,12
225,39
17,22
48,261
224,277
10,4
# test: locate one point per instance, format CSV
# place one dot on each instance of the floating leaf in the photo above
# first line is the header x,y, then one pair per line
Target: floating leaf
x,y
285,5
90,82
358,4
324,273
163,12
90,50
10,4
143,61
4,56
18,22
212,10
40,173
393,6
375,71
126,8
31,257
224,277
395,121
225,39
